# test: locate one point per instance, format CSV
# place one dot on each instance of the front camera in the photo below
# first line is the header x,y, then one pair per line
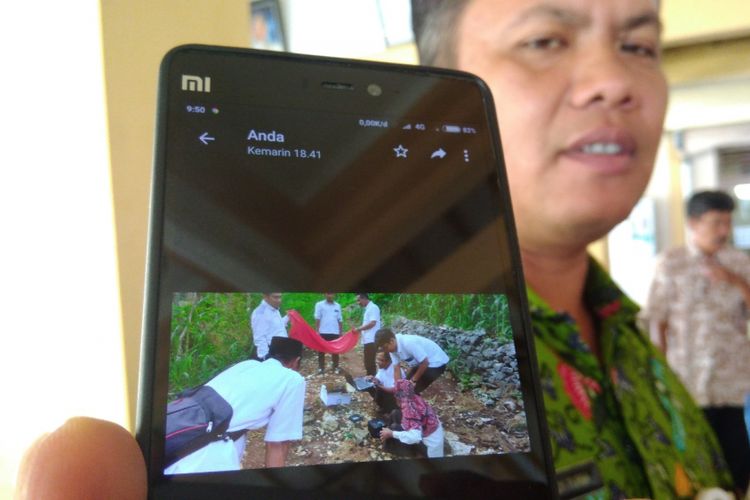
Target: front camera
x,y
374,89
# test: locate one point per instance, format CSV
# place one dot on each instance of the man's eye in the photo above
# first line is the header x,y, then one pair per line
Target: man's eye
x,y
545,43
639,50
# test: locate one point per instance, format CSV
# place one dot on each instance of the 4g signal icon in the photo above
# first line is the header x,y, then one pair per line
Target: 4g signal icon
x,y
417,126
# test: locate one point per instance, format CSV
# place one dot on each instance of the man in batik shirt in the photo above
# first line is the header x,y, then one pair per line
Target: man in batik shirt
x,y
580,98
698,311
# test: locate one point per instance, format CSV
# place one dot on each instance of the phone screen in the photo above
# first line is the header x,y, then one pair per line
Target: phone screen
x,y
285,182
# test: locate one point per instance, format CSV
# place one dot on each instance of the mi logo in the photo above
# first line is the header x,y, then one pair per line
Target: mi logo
x,y
196,83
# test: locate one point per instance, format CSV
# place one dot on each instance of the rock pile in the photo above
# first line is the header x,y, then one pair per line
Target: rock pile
x,y
473,353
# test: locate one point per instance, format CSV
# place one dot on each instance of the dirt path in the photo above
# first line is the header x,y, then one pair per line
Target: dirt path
x,y
334,434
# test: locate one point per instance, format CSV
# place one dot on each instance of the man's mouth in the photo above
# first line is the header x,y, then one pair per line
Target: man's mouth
x,y
602,148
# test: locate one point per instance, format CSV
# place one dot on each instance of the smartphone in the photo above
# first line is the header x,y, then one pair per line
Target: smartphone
x,y
280,180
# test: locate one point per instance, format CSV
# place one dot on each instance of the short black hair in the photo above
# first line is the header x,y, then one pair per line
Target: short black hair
x,y
383,336
285,349
434,24
705,201
363,295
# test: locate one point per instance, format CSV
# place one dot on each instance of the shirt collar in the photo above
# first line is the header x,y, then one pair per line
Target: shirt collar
x,y
268,306
602,296
694,251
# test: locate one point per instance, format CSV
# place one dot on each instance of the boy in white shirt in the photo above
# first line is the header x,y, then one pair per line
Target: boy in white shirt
x,y
428,360
266,323
370,325
385,382
328,323
268,394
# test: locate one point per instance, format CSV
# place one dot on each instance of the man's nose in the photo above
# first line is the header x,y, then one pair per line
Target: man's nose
x,y
603,78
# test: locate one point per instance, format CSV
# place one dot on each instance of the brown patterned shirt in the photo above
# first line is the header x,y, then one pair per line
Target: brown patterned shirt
x,y
707,339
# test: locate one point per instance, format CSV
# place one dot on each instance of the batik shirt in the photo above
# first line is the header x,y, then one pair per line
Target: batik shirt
x,y
707,342
626,418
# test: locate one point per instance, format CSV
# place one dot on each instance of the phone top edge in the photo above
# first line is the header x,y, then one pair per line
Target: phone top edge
x,y
314,58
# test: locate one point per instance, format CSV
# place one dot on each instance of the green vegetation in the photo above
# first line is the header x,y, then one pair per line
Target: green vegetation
x,y
464,312
211,331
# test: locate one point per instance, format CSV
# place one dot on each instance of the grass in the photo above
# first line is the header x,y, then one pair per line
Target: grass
x,y
211,331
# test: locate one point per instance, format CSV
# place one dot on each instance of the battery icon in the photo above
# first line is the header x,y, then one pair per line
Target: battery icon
x,y
452,129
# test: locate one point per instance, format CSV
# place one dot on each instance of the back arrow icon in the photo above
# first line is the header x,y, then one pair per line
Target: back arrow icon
x,y
205,138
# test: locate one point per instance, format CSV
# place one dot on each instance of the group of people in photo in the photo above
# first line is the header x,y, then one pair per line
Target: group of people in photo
x,y
268,391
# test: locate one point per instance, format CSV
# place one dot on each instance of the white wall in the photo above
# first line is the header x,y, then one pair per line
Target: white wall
x,y
62,341
346,28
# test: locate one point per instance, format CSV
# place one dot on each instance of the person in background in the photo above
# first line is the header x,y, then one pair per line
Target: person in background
x,y
580,98
697,311
426,358
266,322
328,323
370,325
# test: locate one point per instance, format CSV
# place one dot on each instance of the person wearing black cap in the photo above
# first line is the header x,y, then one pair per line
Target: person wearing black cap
x,y
268,394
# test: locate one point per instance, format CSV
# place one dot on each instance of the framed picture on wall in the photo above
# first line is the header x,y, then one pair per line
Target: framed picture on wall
x,y
266,27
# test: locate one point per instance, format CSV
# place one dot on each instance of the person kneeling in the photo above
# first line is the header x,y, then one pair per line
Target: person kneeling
x,y
419,422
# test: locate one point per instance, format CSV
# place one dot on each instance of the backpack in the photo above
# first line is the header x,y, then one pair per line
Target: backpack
x,y
198,417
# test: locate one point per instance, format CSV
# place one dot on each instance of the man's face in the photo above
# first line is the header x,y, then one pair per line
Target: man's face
x,y
362,301
273,299
580,100
330,297
711,230
383,360
390,346
295,364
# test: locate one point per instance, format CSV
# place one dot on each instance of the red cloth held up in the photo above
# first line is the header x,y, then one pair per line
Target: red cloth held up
x,y
306,334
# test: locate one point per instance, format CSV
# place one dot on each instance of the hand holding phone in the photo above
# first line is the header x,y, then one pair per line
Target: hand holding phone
x,y
281,182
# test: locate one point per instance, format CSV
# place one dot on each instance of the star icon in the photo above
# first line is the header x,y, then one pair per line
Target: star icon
x,y
400,151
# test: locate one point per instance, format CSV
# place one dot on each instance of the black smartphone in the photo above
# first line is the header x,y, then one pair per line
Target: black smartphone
x,y
282,181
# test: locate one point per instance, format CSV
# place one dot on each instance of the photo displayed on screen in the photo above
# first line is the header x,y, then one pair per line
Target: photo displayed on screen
x,y
296,379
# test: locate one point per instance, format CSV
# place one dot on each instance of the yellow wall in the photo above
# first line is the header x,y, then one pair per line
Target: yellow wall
x,y
728,59
691,21
136,34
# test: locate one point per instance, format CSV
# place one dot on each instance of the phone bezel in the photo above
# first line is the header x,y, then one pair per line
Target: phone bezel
x,y
154,355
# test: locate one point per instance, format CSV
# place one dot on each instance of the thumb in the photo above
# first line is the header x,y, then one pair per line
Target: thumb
x,y
85,458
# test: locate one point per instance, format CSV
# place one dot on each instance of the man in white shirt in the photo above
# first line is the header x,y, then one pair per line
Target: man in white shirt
x,y
328,323
266,322
427,359
385,382
268,394
370,325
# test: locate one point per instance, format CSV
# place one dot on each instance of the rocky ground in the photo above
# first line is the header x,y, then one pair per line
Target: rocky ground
x,y
479,421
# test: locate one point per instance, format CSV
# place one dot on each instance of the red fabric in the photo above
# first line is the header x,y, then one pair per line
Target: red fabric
x,y
306,334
